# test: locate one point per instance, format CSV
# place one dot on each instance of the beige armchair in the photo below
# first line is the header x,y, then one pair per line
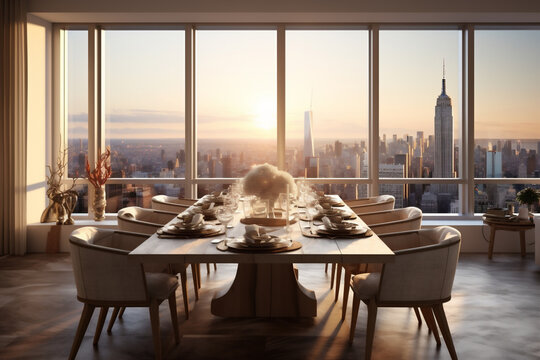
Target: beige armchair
x,y
363,206
421,275
371,204
105,277
148,221
170,203
381,222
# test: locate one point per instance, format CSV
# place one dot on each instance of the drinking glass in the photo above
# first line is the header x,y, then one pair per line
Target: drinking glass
x,y
259,208
225,215
311,210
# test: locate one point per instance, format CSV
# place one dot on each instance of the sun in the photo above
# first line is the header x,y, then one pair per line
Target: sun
x,y
265,115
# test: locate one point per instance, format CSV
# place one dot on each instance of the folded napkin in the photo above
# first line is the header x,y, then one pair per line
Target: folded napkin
x,y
205,209
336,223
192,221
256,235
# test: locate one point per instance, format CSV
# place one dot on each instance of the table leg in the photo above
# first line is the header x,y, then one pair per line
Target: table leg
x,y
491,241
264,290
522,242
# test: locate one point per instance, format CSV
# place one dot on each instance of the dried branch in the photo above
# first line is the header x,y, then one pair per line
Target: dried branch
x,y
99,175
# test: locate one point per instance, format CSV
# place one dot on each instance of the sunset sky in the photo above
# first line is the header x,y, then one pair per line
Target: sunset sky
x,y
326,71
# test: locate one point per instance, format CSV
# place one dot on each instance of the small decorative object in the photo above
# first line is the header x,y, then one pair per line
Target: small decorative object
x,y
61,202
98,177
527,197
266,182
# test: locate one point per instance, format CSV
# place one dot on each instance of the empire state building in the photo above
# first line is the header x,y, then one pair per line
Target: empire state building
x,y
444,138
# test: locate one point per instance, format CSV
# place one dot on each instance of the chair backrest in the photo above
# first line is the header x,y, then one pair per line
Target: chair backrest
x,y
424,271
140,220
101,267
396,220
372,204
170,203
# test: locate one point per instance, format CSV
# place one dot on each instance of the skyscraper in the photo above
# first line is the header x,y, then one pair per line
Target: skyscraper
x,y
309,150
444,136
310,160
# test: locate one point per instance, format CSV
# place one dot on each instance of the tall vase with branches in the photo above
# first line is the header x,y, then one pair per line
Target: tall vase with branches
x,y
98,177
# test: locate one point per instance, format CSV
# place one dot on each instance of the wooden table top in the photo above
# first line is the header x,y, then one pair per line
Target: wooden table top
x,y
514,223
314,250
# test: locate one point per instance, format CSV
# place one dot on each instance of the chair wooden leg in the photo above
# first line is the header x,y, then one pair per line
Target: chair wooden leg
x,y
443,325
154,320
418,317
370,333
354,316
174,317
101,320
183,285
207,268
86,315
432,325
346,290
326,268
194,272
215,267
338,281
113,318
122,309
333,275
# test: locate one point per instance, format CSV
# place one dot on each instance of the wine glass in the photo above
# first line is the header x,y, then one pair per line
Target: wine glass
x,y
225,215
311,210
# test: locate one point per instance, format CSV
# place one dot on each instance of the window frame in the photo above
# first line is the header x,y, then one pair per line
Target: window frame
x,y
466,181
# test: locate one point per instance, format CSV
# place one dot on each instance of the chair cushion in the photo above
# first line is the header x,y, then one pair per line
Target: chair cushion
x,y
366,285
160,285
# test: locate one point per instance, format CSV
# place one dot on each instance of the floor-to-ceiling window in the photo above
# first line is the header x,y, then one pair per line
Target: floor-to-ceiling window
x,y
327,81
507,117
340,84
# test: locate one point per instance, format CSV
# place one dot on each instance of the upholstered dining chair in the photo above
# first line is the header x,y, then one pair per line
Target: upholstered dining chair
x,y
176,205
104,277
421,275
148,221
372,204
170,203
363,206
381,222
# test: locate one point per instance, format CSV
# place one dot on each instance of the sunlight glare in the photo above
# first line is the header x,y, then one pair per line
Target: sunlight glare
x,y
265,115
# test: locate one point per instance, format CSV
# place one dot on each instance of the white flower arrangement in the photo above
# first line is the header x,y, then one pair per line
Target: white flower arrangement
x,y
267,182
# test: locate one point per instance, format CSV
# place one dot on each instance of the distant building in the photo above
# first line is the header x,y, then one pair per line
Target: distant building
x,y
397,190
309,150
444,137
494,164
311,162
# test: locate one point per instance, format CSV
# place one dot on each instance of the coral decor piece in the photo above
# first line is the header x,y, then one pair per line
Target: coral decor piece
x,y
267,182
98,177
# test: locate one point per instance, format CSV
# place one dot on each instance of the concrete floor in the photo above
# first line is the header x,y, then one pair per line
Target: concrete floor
x,y
494,314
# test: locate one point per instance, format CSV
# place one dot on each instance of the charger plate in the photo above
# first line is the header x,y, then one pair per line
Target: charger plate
x,y
235,247
266,221
326,234
207,230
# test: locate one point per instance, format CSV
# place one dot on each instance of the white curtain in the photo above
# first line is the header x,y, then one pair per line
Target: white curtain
x,y
13,90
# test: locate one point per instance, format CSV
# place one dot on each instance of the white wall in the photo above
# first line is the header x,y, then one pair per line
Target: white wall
x,y
39,115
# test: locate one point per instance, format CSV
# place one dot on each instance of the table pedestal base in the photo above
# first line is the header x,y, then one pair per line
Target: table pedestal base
x,y
265,290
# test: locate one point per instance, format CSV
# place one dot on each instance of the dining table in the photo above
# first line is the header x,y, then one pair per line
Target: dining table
x,y
266,283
